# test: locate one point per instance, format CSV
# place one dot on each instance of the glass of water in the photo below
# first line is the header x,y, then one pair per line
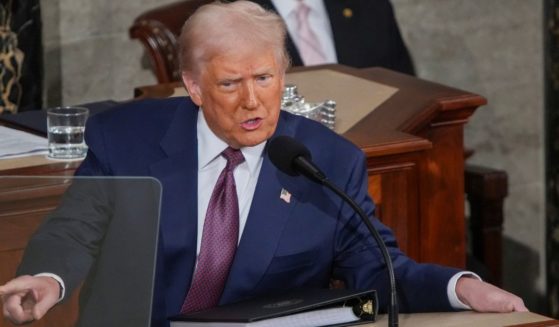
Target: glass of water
x,y
66,126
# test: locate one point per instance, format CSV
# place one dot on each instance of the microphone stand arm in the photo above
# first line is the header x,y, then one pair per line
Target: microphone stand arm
x,y
393,308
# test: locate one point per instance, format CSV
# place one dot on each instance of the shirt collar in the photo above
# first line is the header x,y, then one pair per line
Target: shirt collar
x,y
210,146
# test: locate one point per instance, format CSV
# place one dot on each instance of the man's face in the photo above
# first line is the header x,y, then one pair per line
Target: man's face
x,y
240,94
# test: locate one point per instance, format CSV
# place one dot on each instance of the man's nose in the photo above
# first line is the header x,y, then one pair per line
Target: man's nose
x,y
249,98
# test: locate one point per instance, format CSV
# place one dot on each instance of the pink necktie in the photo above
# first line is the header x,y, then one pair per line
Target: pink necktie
x,y
309,45
219,240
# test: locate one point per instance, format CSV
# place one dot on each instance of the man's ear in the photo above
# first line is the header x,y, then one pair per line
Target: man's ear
x,y
193,88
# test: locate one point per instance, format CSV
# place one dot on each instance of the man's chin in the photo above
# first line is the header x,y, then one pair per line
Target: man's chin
x,y
252,141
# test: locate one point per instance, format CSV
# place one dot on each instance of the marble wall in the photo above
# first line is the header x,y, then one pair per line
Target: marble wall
x,y
493,48
88,54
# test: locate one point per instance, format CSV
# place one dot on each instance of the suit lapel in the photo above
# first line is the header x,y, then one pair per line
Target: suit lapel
x,y
178,228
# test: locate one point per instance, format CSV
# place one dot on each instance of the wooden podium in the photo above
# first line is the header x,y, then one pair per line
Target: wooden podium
x,y
415,156
414,147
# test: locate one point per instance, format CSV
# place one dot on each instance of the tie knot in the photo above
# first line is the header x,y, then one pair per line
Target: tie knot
x,y
234,157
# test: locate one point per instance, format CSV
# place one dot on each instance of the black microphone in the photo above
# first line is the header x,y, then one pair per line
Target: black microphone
x,y
293,158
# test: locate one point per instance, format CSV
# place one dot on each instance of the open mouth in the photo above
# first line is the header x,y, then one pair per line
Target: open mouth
x,y
252,124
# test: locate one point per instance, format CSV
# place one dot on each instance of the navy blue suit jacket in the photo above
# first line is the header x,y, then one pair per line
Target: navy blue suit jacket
x,y
300,244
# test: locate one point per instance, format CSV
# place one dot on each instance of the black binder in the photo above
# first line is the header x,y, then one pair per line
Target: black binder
x,y
296,308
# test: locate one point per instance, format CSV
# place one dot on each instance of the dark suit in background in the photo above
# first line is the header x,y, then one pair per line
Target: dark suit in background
x,y
369,37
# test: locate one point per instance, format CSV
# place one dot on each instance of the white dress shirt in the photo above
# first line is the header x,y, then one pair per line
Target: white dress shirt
x,y
318,20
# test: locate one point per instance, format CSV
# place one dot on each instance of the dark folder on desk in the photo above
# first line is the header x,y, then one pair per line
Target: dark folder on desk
x,y
303,307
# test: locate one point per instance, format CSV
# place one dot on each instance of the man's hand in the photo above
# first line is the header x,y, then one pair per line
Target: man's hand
x,y
484,297
28,298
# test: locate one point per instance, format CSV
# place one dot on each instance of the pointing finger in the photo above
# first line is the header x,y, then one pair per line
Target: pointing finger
x,y
16,285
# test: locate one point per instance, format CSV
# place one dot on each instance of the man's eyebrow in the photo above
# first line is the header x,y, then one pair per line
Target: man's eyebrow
x,y
266,71
229,79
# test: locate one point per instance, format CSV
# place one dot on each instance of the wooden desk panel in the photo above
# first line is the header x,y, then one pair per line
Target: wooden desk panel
x,y
396,200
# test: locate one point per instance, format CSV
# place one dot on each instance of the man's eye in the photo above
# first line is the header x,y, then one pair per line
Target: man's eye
x,y
227,84
264,78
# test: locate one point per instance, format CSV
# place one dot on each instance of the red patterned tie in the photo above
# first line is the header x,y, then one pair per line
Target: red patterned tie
x,y
219,240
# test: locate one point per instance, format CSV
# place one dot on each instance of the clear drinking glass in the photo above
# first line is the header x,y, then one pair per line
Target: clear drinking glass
x,y
66,126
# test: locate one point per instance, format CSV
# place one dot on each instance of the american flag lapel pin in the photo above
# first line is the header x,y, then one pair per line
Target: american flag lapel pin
x,y
285,195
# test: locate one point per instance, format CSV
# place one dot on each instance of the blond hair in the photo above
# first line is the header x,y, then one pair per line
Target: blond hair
x,y
221,27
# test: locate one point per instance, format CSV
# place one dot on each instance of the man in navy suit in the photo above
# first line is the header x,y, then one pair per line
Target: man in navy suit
x,y
356,33
292,233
